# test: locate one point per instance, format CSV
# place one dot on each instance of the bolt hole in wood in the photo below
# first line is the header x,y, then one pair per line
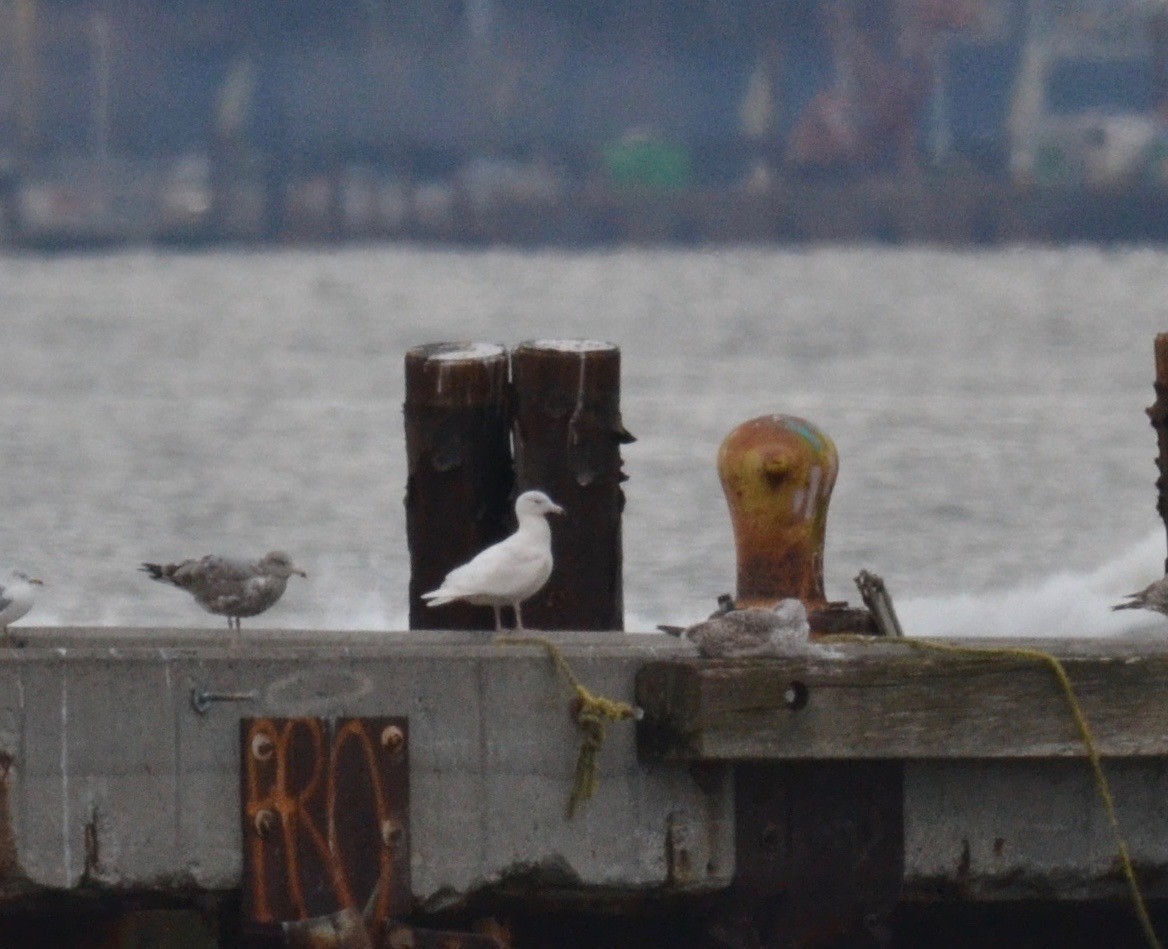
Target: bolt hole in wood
x,y
771,838
796,695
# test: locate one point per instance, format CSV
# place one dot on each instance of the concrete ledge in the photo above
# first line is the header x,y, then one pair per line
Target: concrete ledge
x,y
118,781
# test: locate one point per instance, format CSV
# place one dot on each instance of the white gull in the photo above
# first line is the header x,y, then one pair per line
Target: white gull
x,y
16,597
512,570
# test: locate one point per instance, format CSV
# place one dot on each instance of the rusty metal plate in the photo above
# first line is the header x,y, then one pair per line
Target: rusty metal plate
x,y
325,818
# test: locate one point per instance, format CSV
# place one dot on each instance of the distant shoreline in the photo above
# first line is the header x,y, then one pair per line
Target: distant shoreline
x,y
957,210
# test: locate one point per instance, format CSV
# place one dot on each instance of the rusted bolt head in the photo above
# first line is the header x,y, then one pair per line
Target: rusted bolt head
x,y
393,739
391,832
262,747
265,823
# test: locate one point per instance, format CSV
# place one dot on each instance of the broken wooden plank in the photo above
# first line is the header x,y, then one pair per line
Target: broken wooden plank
x,y
897,700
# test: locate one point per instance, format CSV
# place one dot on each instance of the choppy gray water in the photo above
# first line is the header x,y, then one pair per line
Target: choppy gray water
x,y
988,407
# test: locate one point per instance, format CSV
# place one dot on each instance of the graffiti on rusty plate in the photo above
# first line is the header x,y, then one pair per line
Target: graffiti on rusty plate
x,y
325,818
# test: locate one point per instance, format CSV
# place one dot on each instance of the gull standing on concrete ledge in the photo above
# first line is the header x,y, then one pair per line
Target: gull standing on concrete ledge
x,y
743,634
511,571
1153,597
16,597
227,587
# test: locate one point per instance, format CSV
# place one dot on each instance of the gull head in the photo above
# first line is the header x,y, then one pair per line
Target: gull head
x,y
279,564
792,614
535,503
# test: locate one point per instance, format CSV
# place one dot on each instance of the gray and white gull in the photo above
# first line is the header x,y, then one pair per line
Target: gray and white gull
x,y
752,633
227,586
509,572
1153,597
16,597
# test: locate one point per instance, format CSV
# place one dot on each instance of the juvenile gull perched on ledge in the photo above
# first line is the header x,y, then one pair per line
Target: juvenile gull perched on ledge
x,y
16,597
1153,597
743,634
512,570
229,587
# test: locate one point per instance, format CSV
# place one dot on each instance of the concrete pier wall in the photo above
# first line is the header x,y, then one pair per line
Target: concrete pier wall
x,y
116,780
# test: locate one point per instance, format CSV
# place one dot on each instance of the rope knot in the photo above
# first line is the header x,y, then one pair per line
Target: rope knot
x,y
589,711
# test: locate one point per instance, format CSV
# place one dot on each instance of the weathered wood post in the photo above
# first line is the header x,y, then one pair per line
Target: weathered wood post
x,y
457,420
568,434
1158,414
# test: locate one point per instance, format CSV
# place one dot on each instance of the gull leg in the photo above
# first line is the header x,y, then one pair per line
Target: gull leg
x,y
518,616
498,620
11,641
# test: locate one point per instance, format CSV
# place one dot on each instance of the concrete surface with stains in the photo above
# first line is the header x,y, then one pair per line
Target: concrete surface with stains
x,y
113,778
118,780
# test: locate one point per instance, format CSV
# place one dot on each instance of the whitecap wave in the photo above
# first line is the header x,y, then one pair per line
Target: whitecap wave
x,y
1066,604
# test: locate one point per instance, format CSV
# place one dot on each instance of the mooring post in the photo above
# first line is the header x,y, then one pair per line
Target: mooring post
x,y
568,434
778,472
457,420
797,884
1158,414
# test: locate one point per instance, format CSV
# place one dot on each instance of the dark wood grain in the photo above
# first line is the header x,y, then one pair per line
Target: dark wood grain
x,y
897,701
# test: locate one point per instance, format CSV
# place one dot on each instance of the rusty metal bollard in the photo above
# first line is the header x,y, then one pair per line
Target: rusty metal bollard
x,y
778,472
568,434
458,495
1158,416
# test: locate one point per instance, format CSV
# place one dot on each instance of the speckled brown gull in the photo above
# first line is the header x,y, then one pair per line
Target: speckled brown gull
x,y
229,587
1153,597
512,570
750,633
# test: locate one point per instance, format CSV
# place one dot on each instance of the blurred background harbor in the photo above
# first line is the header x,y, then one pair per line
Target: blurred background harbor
x,y
582,123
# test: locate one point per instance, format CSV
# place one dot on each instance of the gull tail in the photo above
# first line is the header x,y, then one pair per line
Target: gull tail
x,y
439,597
672,630
157,571
1134,604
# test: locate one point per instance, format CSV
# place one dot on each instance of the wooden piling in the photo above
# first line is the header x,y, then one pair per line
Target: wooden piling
x,y
458,493
1158,415
568,434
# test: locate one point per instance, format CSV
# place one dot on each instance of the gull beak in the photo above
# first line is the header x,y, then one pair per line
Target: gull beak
x,y
556,509
300,573
36,580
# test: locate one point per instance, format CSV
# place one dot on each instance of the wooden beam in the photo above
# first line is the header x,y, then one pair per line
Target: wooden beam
x,y
896,700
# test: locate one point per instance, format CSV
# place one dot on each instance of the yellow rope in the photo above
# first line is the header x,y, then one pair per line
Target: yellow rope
x,y
1084,728
590,711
